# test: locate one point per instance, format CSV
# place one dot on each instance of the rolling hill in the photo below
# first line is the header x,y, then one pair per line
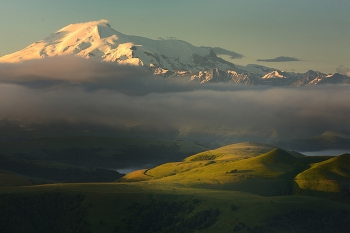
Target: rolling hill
x,y
271,173
243,167
332,175
232,152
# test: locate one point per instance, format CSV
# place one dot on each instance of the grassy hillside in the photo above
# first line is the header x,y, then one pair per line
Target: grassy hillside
x,y
232,152
332,175
271,173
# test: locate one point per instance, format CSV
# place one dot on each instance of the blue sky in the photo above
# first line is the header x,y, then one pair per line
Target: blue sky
x,y
314,31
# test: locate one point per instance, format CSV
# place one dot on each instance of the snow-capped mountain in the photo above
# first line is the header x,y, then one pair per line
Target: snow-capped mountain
x,y
97,40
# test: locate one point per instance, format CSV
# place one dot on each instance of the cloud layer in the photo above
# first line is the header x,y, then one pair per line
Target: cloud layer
x,y
279,59
222,51
343,70
75,91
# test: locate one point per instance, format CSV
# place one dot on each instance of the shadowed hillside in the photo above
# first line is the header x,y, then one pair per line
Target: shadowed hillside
x,y
106,152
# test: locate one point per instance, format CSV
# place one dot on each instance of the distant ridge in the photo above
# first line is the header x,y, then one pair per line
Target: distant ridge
x,y
329,140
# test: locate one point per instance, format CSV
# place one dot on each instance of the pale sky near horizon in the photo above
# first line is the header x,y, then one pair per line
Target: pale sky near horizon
x,y
314,31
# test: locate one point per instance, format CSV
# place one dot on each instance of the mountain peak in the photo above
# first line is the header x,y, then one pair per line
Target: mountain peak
x,y
98,41
274,74
75,26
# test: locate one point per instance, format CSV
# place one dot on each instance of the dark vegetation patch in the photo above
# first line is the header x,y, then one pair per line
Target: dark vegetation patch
x,y
48,212
79,164
149,154
204,157
64,173
302,221
160,216
129,155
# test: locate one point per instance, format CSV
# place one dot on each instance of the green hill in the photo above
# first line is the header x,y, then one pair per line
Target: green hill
x,y
267,174
332,175
232,152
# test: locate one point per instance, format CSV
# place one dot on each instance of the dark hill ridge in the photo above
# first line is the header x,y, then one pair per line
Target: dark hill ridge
x,y
327,141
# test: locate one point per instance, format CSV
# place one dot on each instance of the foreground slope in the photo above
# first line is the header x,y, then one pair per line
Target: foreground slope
x,y
143,207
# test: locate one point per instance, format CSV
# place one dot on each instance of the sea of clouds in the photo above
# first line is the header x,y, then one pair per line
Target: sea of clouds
x,y
76,91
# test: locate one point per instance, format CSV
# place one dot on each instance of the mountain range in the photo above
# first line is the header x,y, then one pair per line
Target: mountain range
x,y
99,41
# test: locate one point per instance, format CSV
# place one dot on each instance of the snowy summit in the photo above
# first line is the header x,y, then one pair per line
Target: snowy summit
x,y
97,40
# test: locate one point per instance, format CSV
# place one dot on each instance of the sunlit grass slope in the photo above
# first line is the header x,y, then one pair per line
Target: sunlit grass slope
x,y
271,173
233,152
332,175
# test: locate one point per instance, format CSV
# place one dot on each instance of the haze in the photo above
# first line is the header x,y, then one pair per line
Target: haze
x,y
127,97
